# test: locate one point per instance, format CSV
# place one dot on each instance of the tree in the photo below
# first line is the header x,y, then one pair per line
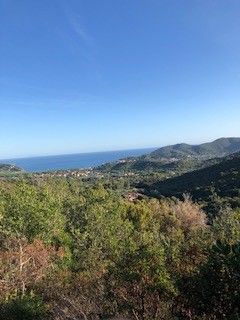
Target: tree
x,y
214,291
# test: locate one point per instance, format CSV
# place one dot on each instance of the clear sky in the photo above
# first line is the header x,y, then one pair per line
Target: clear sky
x,y
91,75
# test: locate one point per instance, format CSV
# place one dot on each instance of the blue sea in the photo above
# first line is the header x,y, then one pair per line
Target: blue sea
x,y
73,161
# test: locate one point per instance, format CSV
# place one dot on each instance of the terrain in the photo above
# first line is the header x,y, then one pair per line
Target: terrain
x,y
218,148
176,159
222,179
8,168
92,244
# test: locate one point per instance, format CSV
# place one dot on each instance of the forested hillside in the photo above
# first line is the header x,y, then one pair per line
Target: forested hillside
x,y
78,246
218,148
222,179
176,159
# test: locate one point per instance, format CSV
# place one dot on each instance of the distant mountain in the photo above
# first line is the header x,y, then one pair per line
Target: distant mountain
x,y
222,178
177,158
218,148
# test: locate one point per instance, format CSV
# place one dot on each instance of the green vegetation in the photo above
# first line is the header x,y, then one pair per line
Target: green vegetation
x,y
219,183
9,170
76,249
218,148
79,245
175,160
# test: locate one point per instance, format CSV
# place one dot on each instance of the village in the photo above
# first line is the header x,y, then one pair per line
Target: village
x,y
71,173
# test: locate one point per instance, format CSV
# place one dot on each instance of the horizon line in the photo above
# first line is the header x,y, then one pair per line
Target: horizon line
x,y
106,151
76,153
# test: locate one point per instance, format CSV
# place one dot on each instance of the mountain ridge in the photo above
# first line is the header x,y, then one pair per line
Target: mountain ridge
x,y
182,157
217,148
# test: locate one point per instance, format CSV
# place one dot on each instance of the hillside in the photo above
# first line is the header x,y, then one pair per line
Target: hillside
x,y
222,178
218,148
177,159
9,168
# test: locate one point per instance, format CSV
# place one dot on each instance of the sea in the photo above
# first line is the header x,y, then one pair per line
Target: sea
x,y
73,161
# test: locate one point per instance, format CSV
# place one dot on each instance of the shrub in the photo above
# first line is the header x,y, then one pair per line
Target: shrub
x,y
29,307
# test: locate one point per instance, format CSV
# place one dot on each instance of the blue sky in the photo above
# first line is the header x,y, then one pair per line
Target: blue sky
x,y
90,75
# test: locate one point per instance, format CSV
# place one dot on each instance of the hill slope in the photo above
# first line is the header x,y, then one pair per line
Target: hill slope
x,y
223,178
8,168
218,148
177,158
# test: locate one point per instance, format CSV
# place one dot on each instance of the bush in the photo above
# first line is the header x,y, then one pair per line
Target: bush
x,y
29,307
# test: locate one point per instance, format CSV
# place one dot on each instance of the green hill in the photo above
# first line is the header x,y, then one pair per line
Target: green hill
x,y
9,169
176,159
218,148
222,178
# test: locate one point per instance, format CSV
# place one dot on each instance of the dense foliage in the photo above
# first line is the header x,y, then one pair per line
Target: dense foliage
x,y
221,180
74,250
